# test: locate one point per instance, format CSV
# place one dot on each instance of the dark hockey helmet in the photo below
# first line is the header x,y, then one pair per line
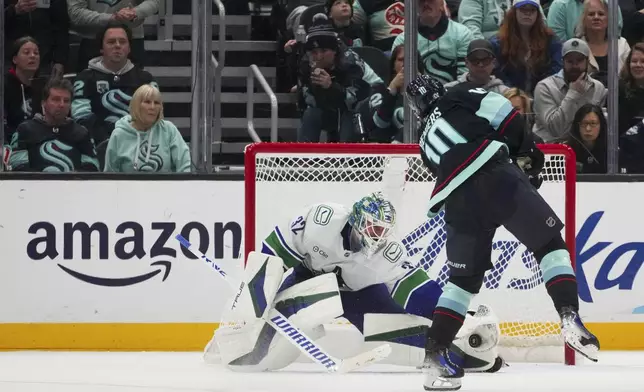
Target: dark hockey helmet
x,y
423,93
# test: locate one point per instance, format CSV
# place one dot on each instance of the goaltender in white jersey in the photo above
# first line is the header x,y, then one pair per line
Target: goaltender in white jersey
x,y
344,263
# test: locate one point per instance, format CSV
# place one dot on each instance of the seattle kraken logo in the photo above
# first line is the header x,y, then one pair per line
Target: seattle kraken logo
x,y
55,155
117,104
442,67
152,164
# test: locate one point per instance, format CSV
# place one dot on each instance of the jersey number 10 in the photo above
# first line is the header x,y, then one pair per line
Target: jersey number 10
x,y
438,138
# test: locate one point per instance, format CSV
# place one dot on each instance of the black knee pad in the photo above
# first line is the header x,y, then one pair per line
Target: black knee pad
x,y
554,244
471,284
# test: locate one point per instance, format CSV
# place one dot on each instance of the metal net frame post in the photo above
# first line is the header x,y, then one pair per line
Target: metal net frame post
x,y
201,120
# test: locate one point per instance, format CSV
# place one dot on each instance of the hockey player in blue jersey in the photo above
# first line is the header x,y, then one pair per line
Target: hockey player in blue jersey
x,y
487,168
329,249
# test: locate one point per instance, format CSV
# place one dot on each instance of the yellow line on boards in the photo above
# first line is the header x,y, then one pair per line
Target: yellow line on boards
x,y
195,336
106,336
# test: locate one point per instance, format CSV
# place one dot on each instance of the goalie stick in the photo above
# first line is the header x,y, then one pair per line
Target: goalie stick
x,y
283,326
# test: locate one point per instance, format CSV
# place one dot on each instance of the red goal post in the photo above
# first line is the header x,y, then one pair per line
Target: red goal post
x,y
281,178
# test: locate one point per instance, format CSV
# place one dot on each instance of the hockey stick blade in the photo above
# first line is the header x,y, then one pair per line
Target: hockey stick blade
x,y
305,344
364,359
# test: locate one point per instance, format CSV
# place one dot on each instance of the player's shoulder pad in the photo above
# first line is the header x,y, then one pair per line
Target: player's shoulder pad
x,y
465,94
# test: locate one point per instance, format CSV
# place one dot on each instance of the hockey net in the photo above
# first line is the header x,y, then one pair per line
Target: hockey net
x,y
282,178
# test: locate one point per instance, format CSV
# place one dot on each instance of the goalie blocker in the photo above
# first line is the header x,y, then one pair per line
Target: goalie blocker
x,y
247,343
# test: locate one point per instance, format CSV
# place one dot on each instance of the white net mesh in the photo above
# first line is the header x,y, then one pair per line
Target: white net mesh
x,y
514,288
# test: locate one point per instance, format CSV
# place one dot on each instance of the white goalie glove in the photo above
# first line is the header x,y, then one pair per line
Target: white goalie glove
x,y
479,339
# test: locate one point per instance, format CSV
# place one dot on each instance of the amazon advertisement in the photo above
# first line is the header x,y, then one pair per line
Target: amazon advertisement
x,y
95,264
105,251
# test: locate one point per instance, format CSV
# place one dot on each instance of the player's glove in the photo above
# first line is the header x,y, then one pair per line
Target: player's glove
x,y
531,163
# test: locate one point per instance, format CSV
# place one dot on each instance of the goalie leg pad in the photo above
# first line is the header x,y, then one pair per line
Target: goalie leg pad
x,y
406,333
264,275
241,320
307,305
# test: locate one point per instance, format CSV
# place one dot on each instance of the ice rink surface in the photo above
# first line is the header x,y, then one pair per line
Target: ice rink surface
x,y
186,372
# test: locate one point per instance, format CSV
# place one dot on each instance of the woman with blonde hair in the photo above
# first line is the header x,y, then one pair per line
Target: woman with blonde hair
x,y
143,141
522,103
593,28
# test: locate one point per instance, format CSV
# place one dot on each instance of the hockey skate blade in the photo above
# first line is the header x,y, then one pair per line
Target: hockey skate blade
x,y
367,358
590,351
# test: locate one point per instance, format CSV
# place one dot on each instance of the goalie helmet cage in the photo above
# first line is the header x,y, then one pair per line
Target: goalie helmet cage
x,y
283,178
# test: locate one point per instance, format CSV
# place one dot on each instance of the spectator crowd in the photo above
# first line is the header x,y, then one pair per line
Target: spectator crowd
x,y
102,112
345,61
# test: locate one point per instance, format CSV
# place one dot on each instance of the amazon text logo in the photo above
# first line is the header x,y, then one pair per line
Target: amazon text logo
x,y
127,241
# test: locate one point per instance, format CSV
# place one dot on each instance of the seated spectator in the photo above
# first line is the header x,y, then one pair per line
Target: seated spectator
x,y
527,51
480,62
592,28
340,13
442,43
102,92
90,17
563,18
384,20
483,17
339,16
48,23
631,89
52,142
558,97
587,137
18,93
380,119
522,103
144,142
333,80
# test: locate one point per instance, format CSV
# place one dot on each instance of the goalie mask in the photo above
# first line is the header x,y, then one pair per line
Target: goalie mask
x,y
373,219
423,93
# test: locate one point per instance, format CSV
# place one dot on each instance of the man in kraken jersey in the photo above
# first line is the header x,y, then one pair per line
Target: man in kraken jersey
x,y
102,93
349,252
442,42
52,142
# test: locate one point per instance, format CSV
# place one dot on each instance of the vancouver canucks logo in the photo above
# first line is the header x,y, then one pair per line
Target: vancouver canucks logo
x,y
55,154
153,163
